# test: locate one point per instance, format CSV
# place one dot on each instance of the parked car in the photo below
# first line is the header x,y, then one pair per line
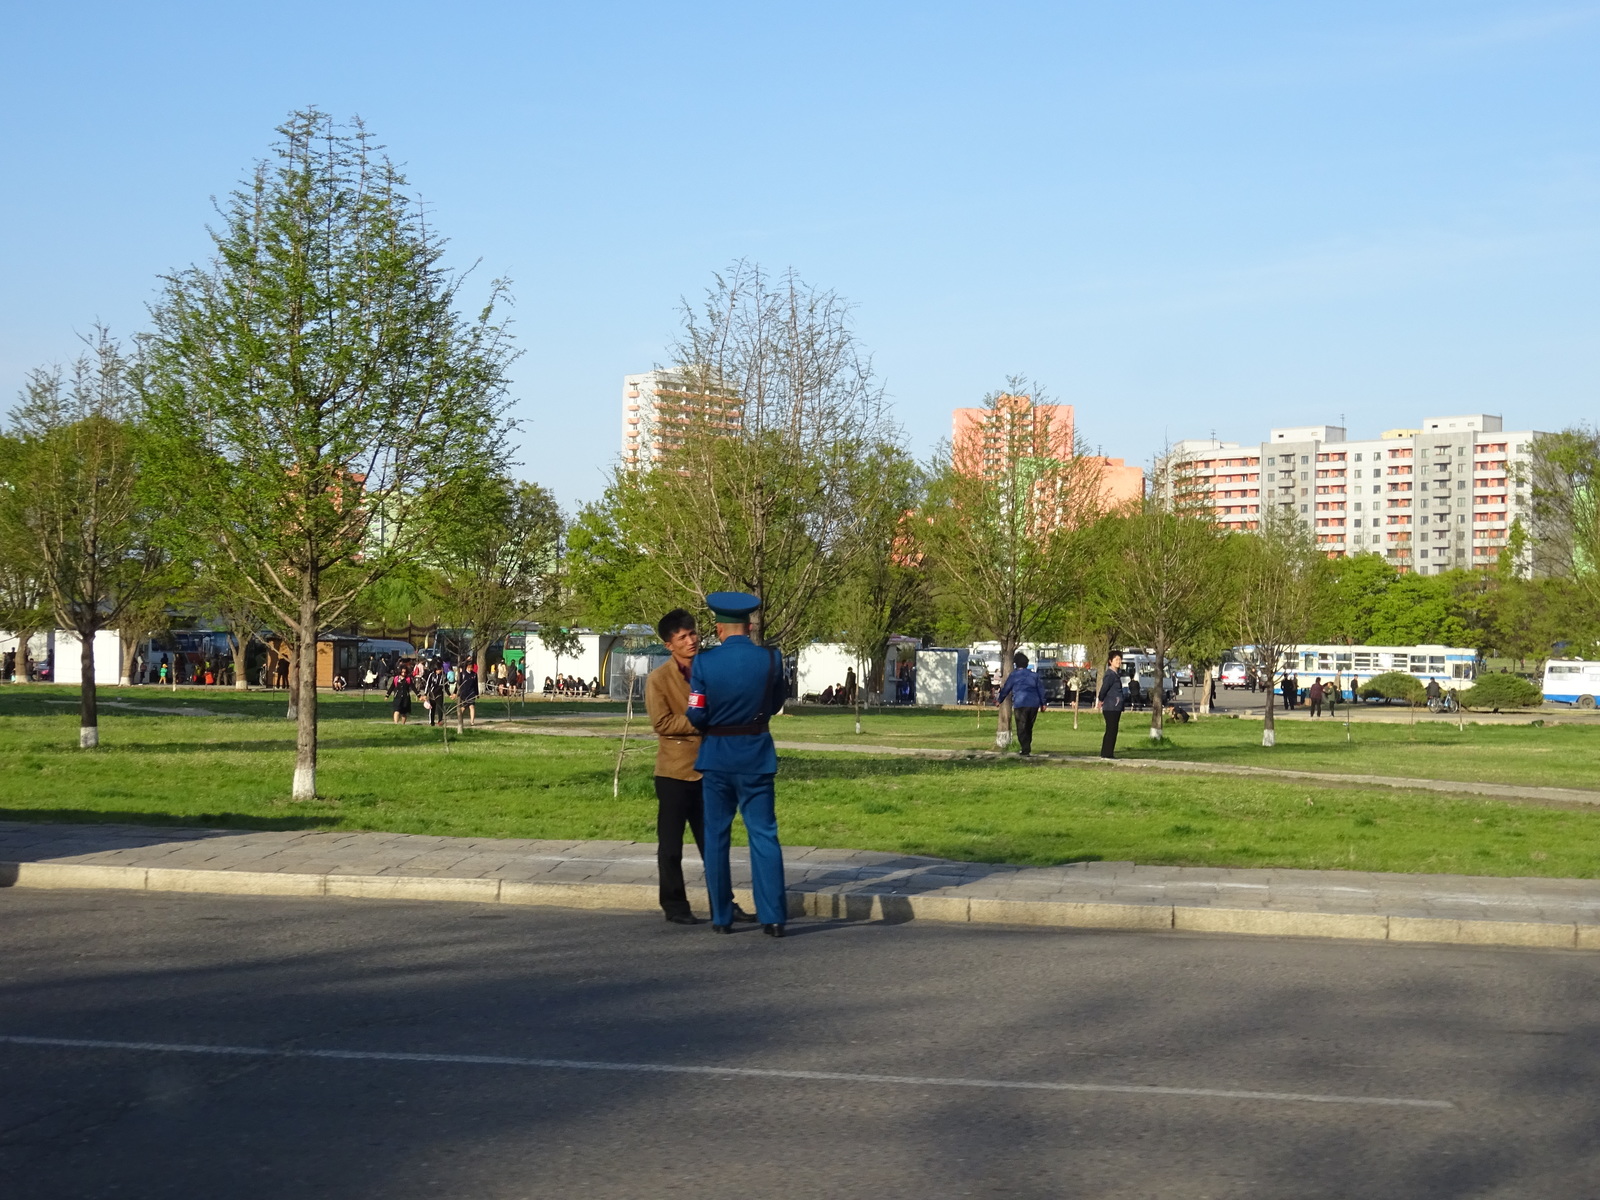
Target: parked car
x,y
1183,676
1234,675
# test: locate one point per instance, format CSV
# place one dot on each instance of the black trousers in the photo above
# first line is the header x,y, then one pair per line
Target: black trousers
x,y
1025,718
1108,744
678,802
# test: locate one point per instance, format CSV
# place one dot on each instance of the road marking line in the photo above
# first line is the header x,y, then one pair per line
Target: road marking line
x,y
568,1064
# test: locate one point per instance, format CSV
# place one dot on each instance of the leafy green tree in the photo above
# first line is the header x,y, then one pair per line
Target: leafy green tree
x,y
1355,589
315,390
1279,587
1565,509
24,602
82,503
1417,610
1166,583
1004,526
888,586
611,579
495,552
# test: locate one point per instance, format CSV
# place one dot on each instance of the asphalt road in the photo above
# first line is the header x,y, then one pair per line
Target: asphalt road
x,y
1290,1068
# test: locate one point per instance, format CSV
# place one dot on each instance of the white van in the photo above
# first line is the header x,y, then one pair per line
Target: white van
x,y
1572,681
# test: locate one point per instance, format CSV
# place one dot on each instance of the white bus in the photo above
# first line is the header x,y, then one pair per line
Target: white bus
x,y
1572,681
1452,666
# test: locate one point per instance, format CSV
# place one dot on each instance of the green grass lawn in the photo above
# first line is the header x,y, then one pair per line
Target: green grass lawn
x,y
234,771
1556,756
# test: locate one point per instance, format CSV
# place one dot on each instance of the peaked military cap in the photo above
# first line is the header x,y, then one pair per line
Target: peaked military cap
x,y
732,607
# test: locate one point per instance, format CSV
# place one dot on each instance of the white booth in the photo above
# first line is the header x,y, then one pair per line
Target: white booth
x,y
590,662
107,657
941,675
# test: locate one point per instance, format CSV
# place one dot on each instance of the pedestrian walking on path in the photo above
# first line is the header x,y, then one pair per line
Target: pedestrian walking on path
x,y
1026,693
1314,694
400,695
467,692
734,689
1110,703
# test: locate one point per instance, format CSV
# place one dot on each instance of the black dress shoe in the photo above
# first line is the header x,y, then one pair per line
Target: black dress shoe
x,y
722,929
772,930
683,918
739,914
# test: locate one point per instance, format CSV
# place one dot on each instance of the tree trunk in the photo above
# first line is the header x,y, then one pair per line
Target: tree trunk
x,y
88,708
481,660
1002,728
24,663
305,741
130,651
1205,691
293,710
1158,708
1269,731
241,650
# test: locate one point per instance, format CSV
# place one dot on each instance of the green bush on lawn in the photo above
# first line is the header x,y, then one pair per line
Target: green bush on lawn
x,y
1393,685
1502,691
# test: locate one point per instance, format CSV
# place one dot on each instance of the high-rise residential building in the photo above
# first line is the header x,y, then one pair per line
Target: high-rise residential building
x,y
659,406
981,438
1428,499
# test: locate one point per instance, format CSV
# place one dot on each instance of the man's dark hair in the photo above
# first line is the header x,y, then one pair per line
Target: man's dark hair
x,y
1019,659
676,620
1113,654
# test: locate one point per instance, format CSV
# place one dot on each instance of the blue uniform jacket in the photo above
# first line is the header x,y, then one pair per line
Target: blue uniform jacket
x,y
726,686
1025,689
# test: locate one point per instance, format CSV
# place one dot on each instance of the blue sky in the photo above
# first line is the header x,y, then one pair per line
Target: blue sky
x,y
1181,218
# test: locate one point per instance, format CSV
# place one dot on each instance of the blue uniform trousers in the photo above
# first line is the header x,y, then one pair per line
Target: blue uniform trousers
x,y
751,796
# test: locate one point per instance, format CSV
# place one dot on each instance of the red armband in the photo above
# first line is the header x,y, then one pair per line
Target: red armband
x,y
697,700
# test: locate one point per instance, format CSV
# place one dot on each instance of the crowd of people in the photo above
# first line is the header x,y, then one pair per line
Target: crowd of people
x,y
435,685
571,685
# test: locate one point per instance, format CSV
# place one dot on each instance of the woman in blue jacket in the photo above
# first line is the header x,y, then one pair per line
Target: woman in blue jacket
x,y
1026,691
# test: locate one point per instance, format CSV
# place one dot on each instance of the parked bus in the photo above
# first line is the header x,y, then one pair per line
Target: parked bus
x,y
1452,666
1572,681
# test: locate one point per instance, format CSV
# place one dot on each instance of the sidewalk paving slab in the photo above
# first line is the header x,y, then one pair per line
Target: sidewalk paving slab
x,y
825,883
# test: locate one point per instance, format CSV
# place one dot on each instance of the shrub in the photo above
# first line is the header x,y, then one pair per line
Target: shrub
x,y
1393,685
1502,691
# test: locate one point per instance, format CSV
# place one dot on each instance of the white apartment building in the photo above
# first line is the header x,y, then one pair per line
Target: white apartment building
x,y
657,405
1429,499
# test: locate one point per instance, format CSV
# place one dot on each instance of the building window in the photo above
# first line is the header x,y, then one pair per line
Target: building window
x,y
1305,458
1302,508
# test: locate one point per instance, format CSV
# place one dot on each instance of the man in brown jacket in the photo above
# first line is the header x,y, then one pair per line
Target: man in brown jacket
x,y
678,795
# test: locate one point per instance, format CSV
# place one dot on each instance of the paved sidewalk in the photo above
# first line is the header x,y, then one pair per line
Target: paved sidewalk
x,y
847,884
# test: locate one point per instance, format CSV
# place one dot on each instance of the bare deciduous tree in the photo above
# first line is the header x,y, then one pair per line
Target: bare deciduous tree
x,y
764,484
1005,512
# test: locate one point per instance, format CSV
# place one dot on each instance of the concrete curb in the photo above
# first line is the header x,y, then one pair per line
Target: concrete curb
x,y
833,904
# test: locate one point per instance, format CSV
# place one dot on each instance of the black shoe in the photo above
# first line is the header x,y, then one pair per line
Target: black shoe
x,y
722,929
678,918
772,930
739,914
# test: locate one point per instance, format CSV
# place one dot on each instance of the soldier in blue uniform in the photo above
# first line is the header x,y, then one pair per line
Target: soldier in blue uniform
x,y
733,690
